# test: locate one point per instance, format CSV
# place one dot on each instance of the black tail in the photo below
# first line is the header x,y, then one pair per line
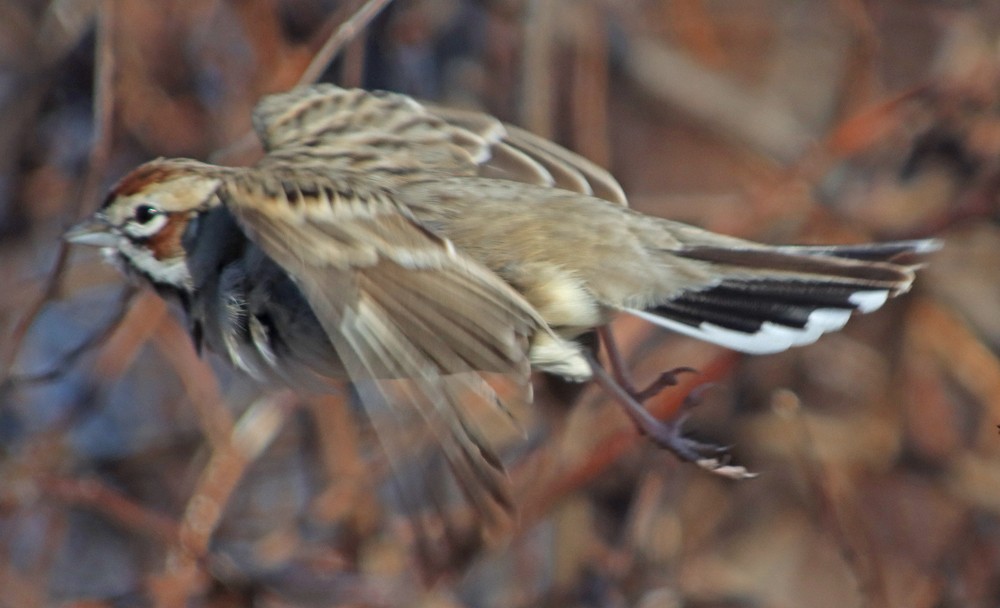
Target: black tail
x,y
768,299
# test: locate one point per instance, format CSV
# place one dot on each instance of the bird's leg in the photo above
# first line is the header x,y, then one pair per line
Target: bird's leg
x,y
624,378
666,434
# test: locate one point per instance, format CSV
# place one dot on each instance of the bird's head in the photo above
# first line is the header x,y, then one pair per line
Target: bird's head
x,y
142,222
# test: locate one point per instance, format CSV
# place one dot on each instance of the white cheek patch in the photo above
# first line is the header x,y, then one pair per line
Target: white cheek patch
x,y
172,272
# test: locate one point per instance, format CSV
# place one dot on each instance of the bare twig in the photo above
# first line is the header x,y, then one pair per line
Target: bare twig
x,y
537,96
589,106
333,45
18,589
961,353
352,482
141,321
353,66
70,358
860,78
691,21
199,382
726,106
664,406
343,34
118,507
833,503
250,436
99,153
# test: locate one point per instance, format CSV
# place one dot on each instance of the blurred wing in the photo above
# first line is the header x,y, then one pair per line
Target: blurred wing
x,y
392,134
412,320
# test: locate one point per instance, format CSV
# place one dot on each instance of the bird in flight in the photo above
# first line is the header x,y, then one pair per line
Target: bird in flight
x,y
411,248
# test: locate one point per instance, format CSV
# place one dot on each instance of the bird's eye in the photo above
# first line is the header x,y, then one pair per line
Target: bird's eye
x,y
145,213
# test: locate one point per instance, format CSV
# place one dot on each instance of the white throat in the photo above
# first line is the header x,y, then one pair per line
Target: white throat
x,y
172,272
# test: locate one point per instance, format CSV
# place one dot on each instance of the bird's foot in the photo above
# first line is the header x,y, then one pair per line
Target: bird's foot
x,y
709,456
669,434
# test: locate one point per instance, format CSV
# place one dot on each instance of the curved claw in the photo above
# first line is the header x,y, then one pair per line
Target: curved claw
x,y
724,469
709,456
670,435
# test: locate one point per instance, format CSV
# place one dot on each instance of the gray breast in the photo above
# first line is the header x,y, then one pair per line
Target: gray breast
x,y
247,309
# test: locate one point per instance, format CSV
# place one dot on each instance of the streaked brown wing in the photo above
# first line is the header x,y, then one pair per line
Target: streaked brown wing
x,y
395,135
411,318
516,154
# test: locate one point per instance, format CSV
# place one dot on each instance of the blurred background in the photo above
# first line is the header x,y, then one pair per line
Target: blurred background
x,y
134,473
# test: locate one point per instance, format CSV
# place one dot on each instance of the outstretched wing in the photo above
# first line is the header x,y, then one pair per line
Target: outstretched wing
x,y
411,318
392,134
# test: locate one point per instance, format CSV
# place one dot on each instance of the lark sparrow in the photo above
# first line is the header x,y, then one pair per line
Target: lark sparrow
x,y
404,245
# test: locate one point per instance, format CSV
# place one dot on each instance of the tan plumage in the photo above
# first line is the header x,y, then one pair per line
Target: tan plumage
x,y
423,245
393,137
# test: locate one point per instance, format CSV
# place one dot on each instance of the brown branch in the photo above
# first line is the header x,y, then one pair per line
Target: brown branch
x,y
71,357
119,508
141,320
99,153
537,95
833,500
340,37
719,101
590,93
333,45
692,23
200,384
608,450
250,436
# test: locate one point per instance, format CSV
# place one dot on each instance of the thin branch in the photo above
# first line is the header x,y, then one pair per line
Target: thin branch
x,y
339,39
333,45
721,102
856,548
99,152
537,95
70,358
608,450
250,436
173,342
590,93
117,506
